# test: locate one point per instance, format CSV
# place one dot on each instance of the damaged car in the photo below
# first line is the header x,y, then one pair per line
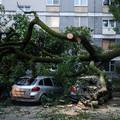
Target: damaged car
x,y
88,89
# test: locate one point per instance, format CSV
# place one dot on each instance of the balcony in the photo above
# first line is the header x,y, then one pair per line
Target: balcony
x,y
108,31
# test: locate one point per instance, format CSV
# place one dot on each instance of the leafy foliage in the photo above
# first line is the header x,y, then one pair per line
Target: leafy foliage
x,y
115,9
21,24
54,45
78,31
41,41
43,45
112,46
10,65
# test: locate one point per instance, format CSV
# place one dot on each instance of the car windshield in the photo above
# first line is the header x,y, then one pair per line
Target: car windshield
x,y
88,81
25,81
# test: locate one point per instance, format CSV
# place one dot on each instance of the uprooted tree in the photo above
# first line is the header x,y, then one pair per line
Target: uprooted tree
x,y
21,46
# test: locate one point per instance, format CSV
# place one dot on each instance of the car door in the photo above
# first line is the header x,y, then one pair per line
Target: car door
x,y
58,89
48,86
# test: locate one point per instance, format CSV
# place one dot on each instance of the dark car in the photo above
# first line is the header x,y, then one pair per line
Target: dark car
x,y
88,89
4,90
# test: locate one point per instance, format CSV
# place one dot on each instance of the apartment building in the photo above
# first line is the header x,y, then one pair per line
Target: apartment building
x,y
58,14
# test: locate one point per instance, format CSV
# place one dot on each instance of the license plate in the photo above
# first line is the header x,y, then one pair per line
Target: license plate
x,y
27,93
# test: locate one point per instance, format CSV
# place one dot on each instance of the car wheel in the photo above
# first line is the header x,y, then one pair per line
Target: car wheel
x,y
14,102
101,100
43,100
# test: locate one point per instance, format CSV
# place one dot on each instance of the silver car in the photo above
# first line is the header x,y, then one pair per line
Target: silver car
x,y
27,89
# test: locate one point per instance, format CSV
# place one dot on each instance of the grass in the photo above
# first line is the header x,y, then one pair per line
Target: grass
x,y
52,116
118,118
1,111
5,103
81,116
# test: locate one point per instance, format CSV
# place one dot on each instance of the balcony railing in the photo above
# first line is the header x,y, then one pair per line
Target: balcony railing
x,y
108,31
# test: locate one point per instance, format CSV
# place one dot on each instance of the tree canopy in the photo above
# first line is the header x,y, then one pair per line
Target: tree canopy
x,y
28,41
115,9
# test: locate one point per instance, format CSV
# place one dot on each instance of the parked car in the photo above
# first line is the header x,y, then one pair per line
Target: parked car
x,y
37,89
4,90
87,89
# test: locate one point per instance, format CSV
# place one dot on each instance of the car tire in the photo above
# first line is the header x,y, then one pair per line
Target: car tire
x,y
14,102
101,101
43,100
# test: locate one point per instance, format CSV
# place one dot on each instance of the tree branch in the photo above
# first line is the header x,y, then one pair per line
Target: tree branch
x,y
84,40
89,48
93,55
29,33
11,44
37,21
21,55
107,56
37,59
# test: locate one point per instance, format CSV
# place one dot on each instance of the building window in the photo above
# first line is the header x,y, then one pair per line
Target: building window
x,y
53,2
108,26
52,21
106,2
112,66
109,23
81,21
109,66
81,2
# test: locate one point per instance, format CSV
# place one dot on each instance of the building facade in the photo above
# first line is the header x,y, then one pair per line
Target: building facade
x,y
58,14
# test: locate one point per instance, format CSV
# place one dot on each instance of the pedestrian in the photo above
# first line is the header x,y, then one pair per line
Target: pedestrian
x,y
73,96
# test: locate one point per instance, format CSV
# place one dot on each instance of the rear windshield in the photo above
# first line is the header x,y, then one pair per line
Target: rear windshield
x,y
88,81
25,81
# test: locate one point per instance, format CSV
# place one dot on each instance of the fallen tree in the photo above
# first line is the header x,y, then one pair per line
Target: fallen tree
x,y
18,46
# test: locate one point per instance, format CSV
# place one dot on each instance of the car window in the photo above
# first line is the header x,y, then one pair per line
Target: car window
x,y
25,81
48,82
92,81
56,83
88,81
41,82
